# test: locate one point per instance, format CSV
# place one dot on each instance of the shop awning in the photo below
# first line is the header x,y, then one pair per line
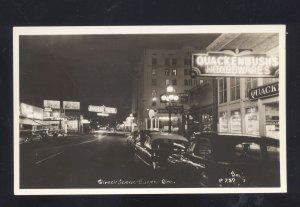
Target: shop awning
x,y
30,122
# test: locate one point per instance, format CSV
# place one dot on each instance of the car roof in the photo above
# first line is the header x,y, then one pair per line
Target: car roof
x,y
237,138
161,135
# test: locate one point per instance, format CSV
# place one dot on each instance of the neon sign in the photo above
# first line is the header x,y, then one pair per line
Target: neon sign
x,y
264,91
235,64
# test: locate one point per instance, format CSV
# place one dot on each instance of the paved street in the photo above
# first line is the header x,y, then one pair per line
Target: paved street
x,y
89,161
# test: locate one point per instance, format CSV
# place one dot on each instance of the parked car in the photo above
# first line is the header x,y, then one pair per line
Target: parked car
x,y
153,148
134,136
215,160
131,138
29,136
48,134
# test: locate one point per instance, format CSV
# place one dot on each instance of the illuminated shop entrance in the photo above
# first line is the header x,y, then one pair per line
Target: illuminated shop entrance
x,y
272,120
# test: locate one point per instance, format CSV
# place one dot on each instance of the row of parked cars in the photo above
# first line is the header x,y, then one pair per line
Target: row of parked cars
x,y
209,159
30,136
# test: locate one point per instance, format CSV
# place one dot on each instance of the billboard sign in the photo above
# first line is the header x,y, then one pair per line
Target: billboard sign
x,y
235,64
52,104
102,109
74,105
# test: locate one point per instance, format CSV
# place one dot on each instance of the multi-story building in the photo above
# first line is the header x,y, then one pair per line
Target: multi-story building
x,y
158,69
223,104
237,112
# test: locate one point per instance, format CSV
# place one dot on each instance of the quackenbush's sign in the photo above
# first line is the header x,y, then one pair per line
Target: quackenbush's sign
x,y
264,91
235,64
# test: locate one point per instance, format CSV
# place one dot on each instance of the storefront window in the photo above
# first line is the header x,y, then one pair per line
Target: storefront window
x,y
234,89
270,80
272,120
250,83
251,121
223,122
206,121
222,91
167,71
235,122
153,71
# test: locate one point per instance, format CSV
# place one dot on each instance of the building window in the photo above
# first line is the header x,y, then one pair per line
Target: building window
x,y
186,61
236,122
154,82
174,61
153,71
174,82
174,71
187,82
251,121
154,102
206,121
234,89
222,90
167,61
167,82
186,71
270,80
153,92
154,61
250,83
167,71
223,122
272,120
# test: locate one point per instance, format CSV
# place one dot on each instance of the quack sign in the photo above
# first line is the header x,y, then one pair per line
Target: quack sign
x,y
235,64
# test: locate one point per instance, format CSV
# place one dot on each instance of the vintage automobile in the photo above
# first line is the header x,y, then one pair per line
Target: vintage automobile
x,y
29,136
48,134
219,160
134,136
153,148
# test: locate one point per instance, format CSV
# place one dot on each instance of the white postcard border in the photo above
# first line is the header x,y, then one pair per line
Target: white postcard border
x,y
280,29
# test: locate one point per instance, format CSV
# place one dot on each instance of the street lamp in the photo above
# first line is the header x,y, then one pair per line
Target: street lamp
x,y
169,98
170,89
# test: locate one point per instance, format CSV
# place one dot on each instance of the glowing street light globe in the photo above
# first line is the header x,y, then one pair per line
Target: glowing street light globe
x,y
170,89
176,98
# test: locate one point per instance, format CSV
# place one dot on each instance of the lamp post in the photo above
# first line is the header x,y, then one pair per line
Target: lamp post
x,y
169,98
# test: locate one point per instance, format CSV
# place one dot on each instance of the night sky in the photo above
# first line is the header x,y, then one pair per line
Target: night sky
x,y
92,69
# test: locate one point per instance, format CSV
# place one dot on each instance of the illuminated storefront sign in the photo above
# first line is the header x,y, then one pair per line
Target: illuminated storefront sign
x,y
71,105
30,111
235,64
264,91
52,104
102,109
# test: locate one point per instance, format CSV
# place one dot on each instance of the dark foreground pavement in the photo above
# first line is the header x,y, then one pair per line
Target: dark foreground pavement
x,y
89,161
